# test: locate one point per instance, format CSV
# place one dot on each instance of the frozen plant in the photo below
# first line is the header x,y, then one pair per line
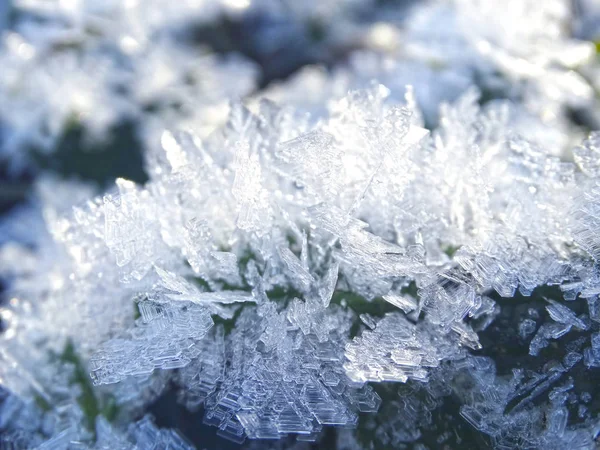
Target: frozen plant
x,y
282,263
339,251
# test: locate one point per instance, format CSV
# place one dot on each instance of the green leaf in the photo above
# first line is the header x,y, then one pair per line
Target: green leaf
x,y
89,403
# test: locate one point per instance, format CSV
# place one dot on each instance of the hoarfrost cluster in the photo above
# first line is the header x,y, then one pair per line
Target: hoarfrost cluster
x,y
338,250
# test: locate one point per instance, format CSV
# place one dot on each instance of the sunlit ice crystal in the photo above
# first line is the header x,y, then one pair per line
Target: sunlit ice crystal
x,y
137,240
246,258
273,267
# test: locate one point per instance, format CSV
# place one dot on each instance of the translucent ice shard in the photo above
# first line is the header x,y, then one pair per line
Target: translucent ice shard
x,y
562,314
294,387
586,156
146,435
150,345
395,350
404,302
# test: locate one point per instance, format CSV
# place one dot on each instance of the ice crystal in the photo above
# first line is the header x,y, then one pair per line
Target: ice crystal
x,y
293,249
281,369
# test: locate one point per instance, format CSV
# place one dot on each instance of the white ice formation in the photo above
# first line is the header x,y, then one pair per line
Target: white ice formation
x,y
334,234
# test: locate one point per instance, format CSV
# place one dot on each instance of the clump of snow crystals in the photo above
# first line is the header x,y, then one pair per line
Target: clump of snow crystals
x,y
245,262
293,254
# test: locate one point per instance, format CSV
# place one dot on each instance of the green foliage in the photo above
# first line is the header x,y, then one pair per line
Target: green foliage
x,y
87,400
90,404
316,30
228,324
377,307
411,289
201,283
136,311
42,403
451,250
110,410
76,154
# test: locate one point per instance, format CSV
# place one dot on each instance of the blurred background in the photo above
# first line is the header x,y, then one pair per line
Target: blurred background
x,y
83,84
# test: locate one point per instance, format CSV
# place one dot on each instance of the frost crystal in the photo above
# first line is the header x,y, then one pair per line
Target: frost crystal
x,y
382,222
